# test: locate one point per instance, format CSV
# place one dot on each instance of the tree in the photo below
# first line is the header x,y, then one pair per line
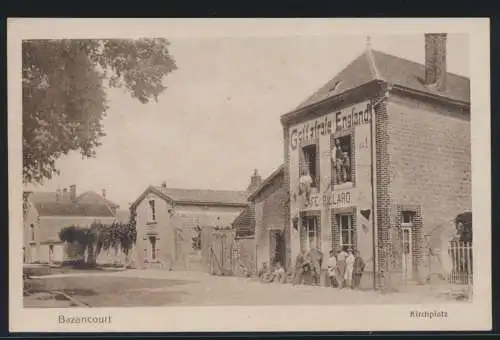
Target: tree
x,y
64,93
100,237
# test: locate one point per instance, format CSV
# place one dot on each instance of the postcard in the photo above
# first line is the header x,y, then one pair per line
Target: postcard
x,y
172,175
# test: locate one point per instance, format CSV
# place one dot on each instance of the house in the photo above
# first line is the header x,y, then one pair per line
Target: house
x,y
168,220
46,213
386,143
260,228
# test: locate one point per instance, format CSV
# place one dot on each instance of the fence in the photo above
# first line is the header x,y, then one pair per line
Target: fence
x,y
461,261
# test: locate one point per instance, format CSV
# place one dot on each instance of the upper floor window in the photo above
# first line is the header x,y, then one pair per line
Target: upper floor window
x,y
32,230
342,160
310,164
152,210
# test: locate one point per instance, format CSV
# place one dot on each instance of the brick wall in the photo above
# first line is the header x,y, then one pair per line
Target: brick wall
x,y
428,153
270,211
383,195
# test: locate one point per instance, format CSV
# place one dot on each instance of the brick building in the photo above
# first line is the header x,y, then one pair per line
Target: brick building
x,y
386,143
260,228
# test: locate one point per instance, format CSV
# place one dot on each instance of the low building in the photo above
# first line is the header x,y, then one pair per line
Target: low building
x,y
260,228
168,219
46,213
386,143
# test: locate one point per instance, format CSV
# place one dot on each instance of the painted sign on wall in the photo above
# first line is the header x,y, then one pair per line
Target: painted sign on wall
x,y
338,199
352,116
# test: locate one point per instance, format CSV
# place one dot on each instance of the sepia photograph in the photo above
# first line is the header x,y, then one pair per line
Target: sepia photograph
x,y
319,170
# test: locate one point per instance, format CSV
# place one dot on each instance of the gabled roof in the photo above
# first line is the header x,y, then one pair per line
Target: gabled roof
x,y
279,171
374,65
91,197
197,196
72,209
88,204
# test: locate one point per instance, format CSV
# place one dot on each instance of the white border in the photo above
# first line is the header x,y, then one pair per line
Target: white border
x,y
474,316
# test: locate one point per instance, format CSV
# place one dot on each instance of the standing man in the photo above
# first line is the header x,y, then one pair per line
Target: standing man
x,y
359,267
305,185
299,268
316,257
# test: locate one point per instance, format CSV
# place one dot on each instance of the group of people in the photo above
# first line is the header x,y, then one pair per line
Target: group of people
x,y
345,268
267,274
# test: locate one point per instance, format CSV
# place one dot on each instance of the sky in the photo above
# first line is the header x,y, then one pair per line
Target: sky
x,y
218,120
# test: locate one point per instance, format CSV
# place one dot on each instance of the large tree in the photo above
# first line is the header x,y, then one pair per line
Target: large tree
x,y
64,93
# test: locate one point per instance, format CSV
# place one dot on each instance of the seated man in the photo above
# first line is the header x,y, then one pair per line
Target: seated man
x,y
265,273
278,274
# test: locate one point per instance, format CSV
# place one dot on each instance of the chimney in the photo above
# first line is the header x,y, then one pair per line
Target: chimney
x,y
103,193
164,187
255,181
435,60
72,192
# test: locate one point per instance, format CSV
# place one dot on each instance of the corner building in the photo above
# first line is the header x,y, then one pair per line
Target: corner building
x,y
387,145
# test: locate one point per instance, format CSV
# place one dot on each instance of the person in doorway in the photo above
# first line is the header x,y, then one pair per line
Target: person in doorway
x,y
299,269
341,257
332,268
316,257
359,267
305,185
349,268
337,160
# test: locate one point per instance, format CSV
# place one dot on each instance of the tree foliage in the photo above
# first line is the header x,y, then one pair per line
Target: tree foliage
x,y
64,97
101,237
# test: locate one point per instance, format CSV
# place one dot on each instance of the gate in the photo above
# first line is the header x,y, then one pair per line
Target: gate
x,y
461,258
221,252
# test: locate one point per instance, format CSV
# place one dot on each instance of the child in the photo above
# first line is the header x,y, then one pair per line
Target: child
x,y
332,268
341,265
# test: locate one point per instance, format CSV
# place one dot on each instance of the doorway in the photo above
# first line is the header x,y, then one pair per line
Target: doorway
x,y
407,259
276,247
152,248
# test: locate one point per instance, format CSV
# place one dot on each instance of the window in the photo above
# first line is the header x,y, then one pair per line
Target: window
x,y
152,240
32,229
311,233
152,210
347,231
408,218
342,160
51,252
310,162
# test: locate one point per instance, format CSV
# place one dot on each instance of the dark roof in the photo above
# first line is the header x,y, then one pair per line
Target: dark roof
x,y
244,223
91,197
197,196
267,181
72,209
375,65
88,204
